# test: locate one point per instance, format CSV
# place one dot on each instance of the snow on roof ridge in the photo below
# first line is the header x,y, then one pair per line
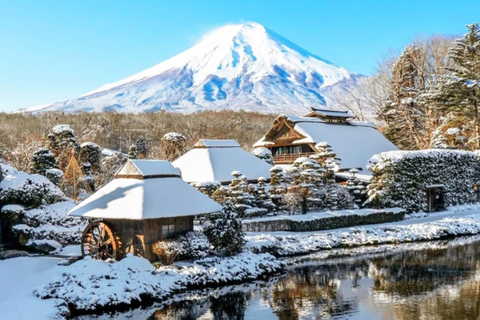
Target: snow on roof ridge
x,y
217,143
146,167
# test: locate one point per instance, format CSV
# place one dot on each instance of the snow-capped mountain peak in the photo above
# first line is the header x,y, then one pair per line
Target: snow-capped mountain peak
x,y
243,66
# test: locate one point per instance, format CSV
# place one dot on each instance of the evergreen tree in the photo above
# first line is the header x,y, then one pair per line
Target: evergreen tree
x,y
132,152
42,160
90,152
460,91
225,231
141,147
62,142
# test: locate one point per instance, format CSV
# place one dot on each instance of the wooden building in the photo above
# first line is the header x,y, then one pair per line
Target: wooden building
x,y
354,142
146,202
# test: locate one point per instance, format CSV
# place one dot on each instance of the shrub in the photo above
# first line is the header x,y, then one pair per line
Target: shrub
x,y
225,231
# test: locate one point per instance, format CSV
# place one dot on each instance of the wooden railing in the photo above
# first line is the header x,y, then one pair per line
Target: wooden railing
x,y
287,158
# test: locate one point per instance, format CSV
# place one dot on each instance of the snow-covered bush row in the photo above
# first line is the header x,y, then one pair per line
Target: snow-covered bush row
x,y
287,245
400,176
91,284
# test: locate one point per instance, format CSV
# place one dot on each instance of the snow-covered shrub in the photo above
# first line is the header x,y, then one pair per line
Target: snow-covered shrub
x,y
54,175
61,140
343,198
172,145
50,222
263,154
42,160
29,190
400,176
207,188
192,245
225,231
90,152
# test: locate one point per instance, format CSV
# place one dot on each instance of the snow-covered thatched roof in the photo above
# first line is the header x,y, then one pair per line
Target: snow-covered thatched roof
x,y
217,160
354,142
158,193
206,143
147,168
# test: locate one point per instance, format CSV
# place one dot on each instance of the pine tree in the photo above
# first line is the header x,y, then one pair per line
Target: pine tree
x,y
460,92
263,154
90,152
42,160
132,152
141,147
225,231
62,141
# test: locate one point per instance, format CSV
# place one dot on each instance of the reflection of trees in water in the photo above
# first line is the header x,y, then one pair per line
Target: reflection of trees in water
x,y
461,301
228,306
415,284
312,291
414,272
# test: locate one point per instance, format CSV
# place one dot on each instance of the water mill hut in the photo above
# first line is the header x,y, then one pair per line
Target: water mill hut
x,y
146,202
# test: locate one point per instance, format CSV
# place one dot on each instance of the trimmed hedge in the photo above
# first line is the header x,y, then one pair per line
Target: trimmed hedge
x,y
399,177
343,221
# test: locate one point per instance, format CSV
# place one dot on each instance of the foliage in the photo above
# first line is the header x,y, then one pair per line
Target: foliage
x,y
225,231
42,160
192,245
400,176
264,154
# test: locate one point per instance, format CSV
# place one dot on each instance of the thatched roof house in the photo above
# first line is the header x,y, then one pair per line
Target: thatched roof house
x,y
354,142
215,160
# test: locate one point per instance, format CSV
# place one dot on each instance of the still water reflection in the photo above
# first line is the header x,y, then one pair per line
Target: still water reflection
x,y
438,280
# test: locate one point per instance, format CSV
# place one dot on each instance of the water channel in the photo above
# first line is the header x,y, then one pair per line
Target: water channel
x,y
429,280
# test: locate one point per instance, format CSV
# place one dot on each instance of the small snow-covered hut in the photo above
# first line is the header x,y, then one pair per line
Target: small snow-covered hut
x,y
215,160
146,202
354,142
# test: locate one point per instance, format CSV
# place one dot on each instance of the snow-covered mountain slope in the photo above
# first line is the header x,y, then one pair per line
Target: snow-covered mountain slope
x,y
245,66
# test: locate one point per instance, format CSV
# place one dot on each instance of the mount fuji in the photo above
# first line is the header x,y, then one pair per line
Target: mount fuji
x,y
237,67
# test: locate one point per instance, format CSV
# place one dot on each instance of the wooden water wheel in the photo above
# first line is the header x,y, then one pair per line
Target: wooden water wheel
x,y
100,241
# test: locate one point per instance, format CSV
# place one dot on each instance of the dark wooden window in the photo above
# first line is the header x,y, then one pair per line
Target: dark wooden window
x,y
168,230
302,148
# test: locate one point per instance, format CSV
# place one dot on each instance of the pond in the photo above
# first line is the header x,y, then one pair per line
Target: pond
x,y
431,280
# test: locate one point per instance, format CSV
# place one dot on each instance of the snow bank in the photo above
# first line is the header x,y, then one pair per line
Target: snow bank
x,y
89,284
288,244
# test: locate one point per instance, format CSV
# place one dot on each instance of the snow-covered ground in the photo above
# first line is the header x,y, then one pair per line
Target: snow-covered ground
x,y
457,221
87,283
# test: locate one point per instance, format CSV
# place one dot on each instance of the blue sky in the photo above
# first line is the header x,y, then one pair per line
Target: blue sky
x,y
56,50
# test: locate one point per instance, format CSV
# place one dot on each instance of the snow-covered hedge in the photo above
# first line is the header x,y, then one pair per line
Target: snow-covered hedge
x,y
192,245
91,284
400,176
326,223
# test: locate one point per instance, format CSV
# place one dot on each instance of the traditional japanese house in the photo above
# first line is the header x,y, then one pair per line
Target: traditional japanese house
x,y
354,142
146,202
215,160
